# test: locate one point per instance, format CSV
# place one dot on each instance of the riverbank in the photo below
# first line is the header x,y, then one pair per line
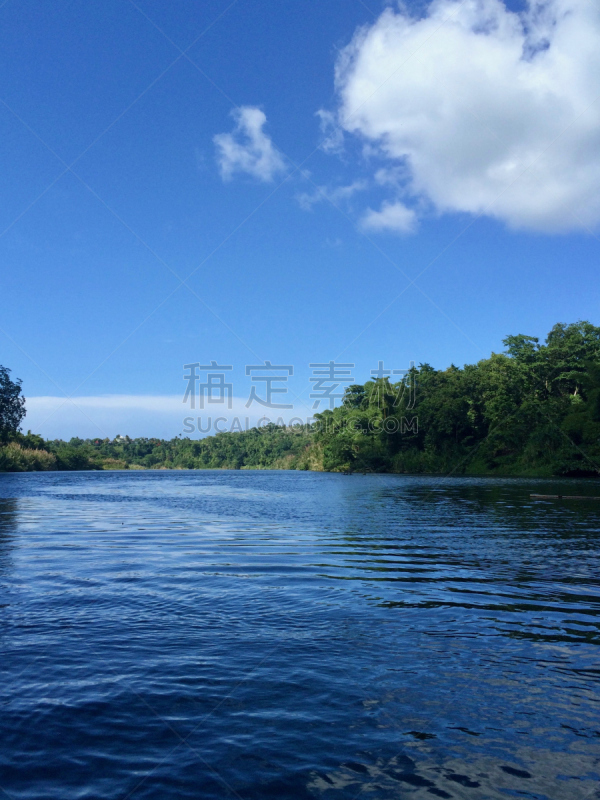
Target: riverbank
x,y
533,411
67,457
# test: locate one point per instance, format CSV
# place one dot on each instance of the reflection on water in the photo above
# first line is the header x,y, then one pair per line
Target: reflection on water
x,y
295,635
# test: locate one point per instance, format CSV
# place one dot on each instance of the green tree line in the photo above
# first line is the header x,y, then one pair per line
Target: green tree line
x,y
533,409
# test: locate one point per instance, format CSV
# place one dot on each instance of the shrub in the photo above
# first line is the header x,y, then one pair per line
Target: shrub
x,y
14,458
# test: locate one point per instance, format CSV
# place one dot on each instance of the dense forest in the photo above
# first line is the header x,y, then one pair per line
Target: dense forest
x,y
531,410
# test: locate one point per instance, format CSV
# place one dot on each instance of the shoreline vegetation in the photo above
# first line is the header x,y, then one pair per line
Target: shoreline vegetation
x,y
531,411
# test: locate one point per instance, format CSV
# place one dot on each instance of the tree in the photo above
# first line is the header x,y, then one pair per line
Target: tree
x,y
569,350
12,405
522,348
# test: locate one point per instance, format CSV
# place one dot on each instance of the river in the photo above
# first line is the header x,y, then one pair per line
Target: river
x,y
267,634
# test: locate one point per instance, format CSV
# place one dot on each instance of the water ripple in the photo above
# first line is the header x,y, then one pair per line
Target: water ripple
x,y
297,635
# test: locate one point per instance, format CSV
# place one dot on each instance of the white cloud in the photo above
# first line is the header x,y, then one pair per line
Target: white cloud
x,y
395,217
248,148
333,141
489,111
334,194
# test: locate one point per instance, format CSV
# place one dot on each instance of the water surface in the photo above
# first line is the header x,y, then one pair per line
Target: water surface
x,y
297,635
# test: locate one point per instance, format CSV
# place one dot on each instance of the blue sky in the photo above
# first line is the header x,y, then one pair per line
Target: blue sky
x,y
301,243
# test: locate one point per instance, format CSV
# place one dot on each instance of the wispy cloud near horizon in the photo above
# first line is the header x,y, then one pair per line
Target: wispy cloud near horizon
x,y
160,416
